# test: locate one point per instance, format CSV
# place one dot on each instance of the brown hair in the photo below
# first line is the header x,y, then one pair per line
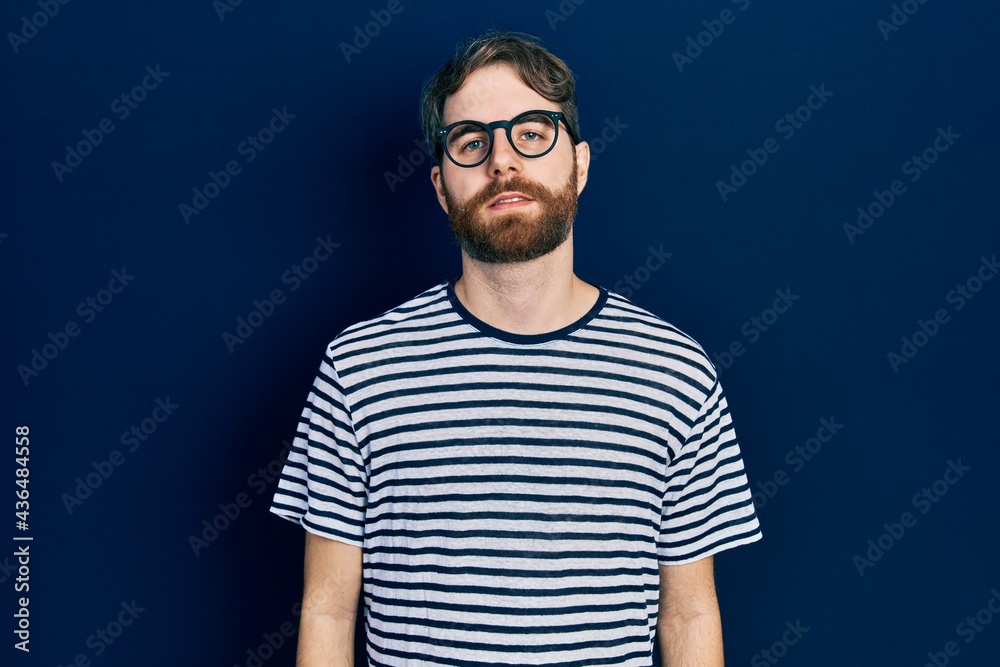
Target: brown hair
x,y
544,72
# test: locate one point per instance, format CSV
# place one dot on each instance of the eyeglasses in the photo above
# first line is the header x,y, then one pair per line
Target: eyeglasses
x,y
468,143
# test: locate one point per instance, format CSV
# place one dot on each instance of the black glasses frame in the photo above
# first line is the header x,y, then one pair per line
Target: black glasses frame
x,y
556,116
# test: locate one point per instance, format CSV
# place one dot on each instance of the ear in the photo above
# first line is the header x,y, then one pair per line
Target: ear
x,y
437,179
582,165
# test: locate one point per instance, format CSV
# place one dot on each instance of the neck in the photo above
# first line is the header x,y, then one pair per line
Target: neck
x,y
533,297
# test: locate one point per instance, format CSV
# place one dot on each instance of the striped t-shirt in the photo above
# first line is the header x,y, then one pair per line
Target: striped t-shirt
x,y
515,494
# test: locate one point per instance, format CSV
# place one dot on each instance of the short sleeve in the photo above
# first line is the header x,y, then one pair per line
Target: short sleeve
x,y
707,506
323,485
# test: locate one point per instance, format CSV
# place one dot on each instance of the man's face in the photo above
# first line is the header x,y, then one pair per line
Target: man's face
x,y
487,226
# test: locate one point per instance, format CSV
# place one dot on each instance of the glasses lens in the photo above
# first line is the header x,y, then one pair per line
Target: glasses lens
x,y
533,134
468,143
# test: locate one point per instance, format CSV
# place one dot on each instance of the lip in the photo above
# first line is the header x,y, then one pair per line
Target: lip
x,y
523,201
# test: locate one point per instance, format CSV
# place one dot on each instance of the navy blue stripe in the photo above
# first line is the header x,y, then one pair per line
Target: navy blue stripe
x,y
512,649
509,610
691,555
745,520
434,373
601,392
507,591
359,334
469,406
412,534
614,358
717,499
515,630
421,658
511,497
636,552
504,461
509,516
526,479
605,447
524,422
536,573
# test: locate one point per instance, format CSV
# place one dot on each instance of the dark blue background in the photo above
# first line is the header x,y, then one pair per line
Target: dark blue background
x,y
324,176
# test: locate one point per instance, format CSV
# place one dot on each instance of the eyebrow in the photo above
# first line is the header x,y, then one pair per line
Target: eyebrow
x,y
463,130
536,117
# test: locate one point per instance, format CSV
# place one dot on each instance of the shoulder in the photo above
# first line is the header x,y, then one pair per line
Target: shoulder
x,y
650,332
423,311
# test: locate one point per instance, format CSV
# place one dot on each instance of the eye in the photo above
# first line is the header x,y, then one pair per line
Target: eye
x,y
474,145
467,139
534,129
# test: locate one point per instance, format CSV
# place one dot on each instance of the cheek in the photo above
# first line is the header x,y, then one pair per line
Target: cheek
x,y
462,187
561,176
558,170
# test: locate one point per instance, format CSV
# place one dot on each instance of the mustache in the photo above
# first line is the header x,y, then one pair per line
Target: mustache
x,y
513,184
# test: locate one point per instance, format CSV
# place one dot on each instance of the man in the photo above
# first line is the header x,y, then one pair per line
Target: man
x,y
520,467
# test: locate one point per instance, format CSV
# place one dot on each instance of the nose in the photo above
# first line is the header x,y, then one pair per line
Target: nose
x,y
503,158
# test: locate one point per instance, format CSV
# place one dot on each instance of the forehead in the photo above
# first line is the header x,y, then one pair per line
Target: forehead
x,y
495,92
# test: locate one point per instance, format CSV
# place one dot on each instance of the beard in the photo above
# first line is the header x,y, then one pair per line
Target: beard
x,y
518,236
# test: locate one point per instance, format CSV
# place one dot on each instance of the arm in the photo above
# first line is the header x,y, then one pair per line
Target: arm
x,y
689,625
332,583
